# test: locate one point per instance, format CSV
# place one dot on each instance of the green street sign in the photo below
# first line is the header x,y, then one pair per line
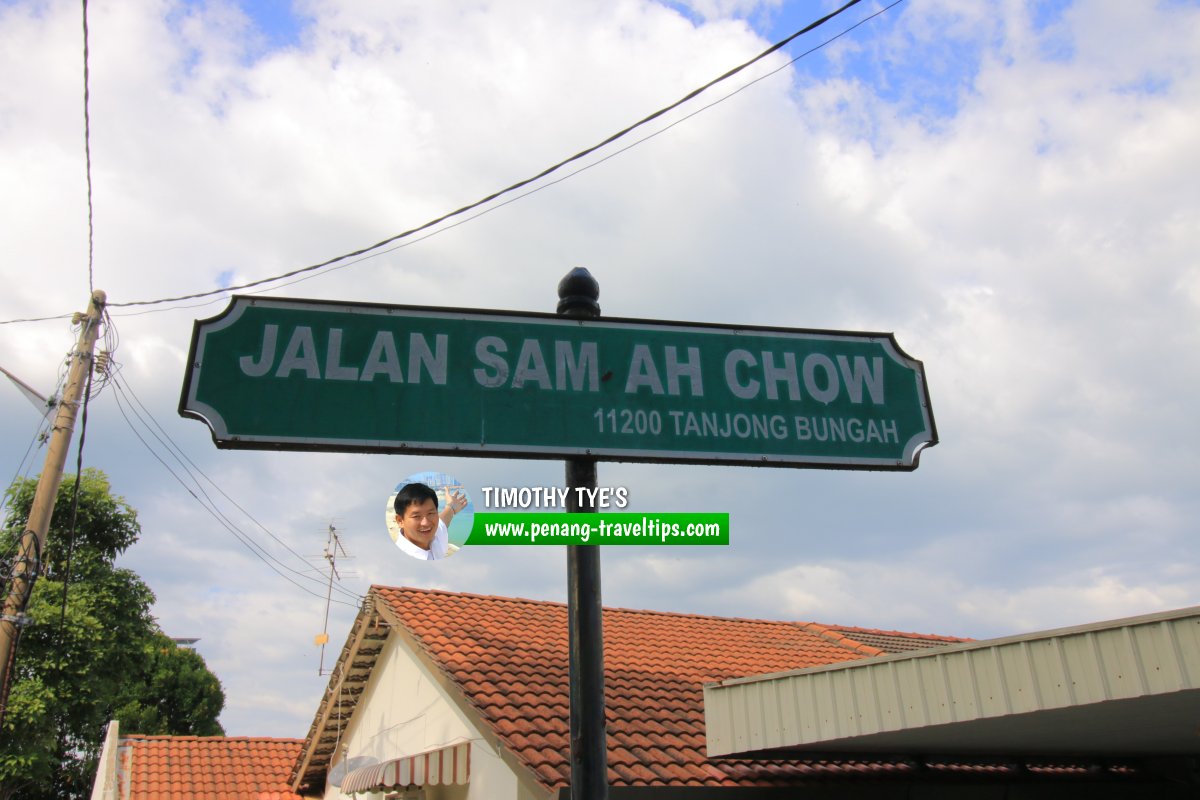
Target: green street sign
x,y
273,373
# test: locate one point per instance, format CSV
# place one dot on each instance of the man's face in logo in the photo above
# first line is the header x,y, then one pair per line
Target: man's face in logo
x,y
419,523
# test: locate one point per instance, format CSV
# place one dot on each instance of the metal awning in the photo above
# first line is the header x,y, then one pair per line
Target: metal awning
x,y
1120,688
446,766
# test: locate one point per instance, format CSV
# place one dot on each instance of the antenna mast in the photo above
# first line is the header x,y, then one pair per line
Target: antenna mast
x,y
333,545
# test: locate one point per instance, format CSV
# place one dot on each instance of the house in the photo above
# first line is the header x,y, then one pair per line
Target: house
x,y
446,695
450,696
195,767
482,681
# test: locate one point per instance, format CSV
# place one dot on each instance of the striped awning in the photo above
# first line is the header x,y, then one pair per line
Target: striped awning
x,y
446,766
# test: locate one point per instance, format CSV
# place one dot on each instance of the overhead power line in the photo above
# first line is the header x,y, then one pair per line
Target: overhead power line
x,y
375,250
41,434
87,143
190,466
129,411
216,298
35,319
508,190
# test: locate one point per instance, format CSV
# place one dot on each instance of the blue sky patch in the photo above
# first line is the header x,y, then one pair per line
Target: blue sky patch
x,y
276,25
277,20
1148,84
1044,13
1056,42
922,79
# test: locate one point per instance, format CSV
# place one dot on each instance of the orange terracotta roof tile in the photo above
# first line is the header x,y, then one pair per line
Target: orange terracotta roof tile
x,y
509,658
196,767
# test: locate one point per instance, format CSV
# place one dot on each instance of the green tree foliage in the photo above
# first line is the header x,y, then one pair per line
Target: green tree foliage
x,y
105,658
176,693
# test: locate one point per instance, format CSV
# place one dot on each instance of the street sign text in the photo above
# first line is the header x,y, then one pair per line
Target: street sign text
x,y
275,373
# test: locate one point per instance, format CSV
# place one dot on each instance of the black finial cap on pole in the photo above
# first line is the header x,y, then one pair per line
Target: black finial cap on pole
x,y
578,294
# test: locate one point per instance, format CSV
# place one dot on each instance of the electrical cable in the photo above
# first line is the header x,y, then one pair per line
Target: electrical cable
x,y
23,469
599,161
575,172
40,436
103,360
375,251
514,187
257,550
34,546
180,456
209,505
35,319
143,312
31,567
87,392
87,144
171,444
236,534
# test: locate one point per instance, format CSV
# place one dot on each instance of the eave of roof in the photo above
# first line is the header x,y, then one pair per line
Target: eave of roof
x,y
1121,688
347,680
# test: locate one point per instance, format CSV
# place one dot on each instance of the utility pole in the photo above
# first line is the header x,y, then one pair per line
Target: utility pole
x,y
28,562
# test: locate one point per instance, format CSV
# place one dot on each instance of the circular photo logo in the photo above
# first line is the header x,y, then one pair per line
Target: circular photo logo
x,y
429,515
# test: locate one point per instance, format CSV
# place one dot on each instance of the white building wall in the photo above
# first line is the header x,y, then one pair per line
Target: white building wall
x,y
403,711
104,786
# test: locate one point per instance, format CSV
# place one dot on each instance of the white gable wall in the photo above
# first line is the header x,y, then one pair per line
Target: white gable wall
x,y
404,711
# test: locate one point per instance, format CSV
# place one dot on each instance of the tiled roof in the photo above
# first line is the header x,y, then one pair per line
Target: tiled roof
x,y
208,767
509,658
895,641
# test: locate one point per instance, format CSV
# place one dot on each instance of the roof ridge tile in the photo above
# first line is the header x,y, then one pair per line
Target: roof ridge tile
x,y
840,639
904,634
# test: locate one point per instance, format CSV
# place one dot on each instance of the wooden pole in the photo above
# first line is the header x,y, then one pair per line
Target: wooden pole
x,y
28,562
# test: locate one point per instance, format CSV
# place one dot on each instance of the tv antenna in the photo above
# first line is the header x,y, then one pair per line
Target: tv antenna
x,y
333,546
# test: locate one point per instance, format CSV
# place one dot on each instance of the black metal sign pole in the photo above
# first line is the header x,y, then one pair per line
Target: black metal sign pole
x,y
579,296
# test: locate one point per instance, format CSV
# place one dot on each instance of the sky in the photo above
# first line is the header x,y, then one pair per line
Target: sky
x,y
1012,188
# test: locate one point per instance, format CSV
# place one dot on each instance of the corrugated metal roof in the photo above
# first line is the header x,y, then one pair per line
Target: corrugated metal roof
x,y
1125,687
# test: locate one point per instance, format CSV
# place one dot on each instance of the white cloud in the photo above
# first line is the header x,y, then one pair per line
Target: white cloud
x,y
898,595
1013,197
